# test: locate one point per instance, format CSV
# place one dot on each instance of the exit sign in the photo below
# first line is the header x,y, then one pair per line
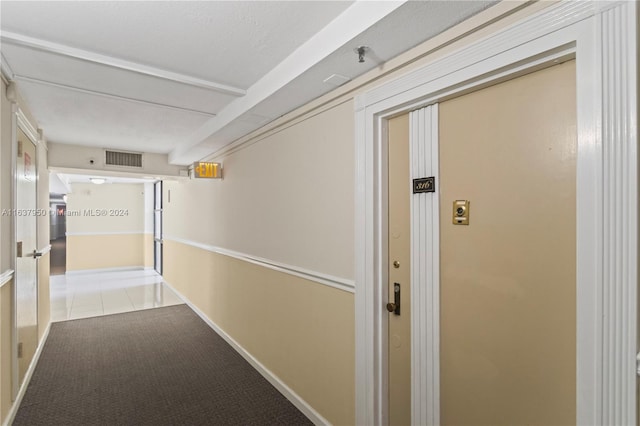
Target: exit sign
x,y
206,170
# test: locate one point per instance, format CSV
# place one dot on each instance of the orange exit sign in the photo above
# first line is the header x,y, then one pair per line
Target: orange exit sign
x,y
206,170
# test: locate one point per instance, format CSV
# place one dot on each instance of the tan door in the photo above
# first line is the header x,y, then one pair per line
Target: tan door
x,y
399,338
508,278
26,264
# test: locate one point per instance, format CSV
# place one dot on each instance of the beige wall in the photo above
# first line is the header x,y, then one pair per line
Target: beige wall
x,y
113,239
128,197
300,330
148,250
288,196
104,251
289,199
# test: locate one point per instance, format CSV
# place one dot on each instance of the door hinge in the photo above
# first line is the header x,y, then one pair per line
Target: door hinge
x,y
19,149
19,249
20,350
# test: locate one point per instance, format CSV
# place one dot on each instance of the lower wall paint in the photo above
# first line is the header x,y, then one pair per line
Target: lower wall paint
x,y
44,300
148,250
5,349
104,251
302,331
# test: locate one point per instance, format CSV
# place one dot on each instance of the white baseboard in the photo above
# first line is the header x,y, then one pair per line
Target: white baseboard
x,y
93,271
27,378
285,390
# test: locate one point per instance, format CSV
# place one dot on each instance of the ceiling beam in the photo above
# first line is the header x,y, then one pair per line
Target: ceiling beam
x,y
108,95
7,72
110,61
354,20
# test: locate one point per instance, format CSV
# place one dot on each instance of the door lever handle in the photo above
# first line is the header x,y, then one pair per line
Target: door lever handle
x,y
36,254
395,305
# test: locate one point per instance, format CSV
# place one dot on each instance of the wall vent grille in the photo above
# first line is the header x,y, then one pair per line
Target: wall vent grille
x,y
124,159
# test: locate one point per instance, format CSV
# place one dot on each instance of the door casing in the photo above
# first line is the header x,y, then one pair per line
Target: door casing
x,y
602,39
19,120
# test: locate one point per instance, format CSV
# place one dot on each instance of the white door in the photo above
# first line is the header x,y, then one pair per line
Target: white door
x,y
26,264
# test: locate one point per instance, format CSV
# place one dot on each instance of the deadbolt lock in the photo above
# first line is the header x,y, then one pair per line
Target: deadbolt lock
x,y
396,264
394,307
460,212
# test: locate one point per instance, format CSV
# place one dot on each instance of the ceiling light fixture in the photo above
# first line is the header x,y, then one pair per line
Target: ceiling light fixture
x,y
98,181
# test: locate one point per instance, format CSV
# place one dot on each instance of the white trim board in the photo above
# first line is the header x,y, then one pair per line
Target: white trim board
x,y
285,390
6,276
109,95
46,249
328,280
425,269
7,72
27,378
100,270
602,36
26,126
88,234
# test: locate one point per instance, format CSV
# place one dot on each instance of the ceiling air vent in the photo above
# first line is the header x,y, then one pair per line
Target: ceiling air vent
x,y
124,159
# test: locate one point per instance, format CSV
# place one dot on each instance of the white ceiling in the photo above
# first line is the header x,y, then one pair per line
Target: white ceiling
x,y
187,78
79,178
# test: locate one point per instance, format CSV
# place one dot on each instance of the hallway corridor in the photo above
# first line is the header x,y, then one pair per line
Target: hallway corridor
x,y
84,295
336,212
58,258
154,367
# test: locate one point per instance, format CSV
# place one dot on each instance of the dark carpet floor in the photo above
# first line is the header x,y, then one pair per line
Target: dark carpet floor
x,y
160,366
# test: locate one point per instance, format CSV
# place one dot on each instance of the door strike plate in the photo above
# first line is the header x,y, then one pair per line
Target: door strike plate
x,y
461,212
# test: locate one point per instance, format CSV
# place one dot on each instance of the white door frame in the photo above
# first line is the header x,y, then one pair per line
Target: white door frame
x,y
602,38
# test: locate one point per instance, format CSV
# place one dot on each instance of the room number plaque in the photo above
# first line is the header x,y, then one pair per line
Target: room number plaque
x,y
427,184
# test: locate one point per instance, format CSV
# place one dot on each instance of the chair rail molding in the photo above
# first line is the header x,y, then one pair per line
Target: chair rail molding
x,y
602,37
6,277
318,277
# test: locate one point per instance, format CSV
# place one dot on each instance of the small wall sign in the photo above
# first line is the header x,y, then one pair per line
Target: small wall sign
x,y
206,170
427,184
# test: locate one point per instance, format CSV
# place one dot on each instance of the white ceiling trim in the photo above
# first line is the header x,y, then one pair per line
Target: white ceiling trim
x,y
353,21
108,95
85,55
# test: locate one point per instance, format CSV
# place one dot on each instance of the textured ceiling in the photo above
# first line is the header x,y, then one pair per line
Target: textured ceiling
x,y
232,42
187,78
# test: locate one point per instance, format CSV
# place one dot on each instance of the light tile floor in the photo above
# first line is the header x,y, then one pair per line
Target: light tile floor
x,y
93,294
